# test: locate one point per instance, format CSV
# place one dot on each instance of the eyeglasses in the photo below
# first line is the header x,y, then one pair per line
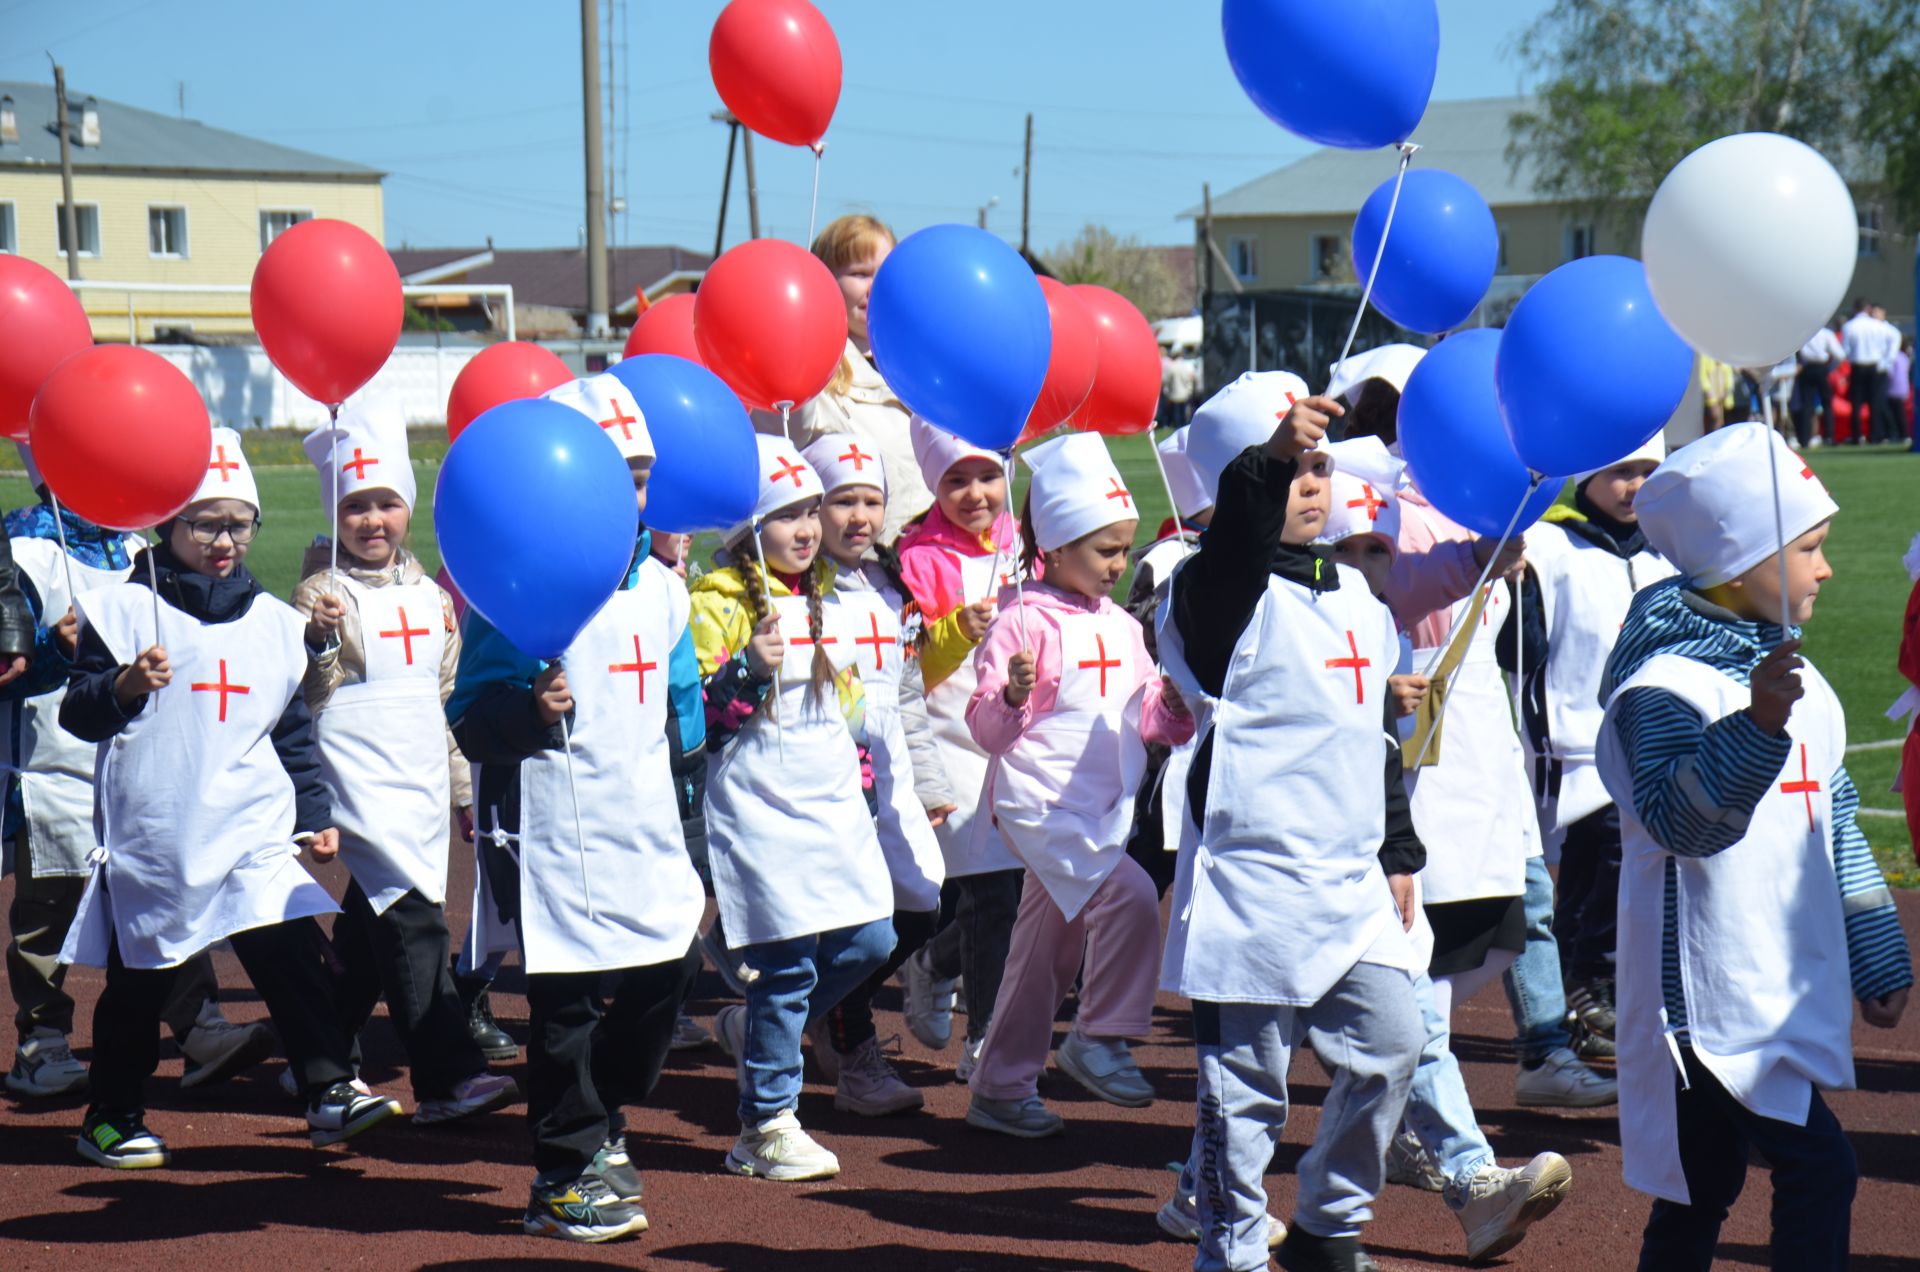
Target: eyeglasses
x,y
207,532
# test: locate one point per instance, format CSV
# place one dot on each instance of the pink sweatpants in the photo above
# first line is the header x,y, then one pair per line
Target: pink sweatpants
x,y
1119,932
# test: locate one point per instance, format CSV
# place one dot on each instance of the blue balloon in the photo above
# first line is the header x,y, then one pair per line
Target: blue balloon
x,y
706,470
1441,250
1589,370
536,518
960,331
1455,445
1348,73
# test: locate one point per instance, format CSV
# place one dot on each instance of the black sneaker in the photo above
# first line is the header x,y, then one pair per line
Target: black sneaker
x,y
494,1042
1591,1003
342,1113
121,1141
615,1168
582,1209
1592,1047
1304,1252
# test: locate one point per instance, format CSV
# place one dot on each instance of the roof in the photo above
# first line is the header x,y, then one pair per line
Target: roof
x,y
1466,138
553,276
132,139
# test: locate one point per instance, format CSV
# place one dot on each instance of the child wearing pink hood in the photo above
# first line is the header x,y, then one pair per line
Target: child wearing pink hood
x,y
1066,694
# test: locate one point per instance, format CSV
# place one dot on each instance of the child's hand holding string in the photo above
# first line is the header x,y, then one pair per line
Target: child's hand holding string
x,y
551,697
1408,693
1023,669
324,845
1884,1013
148,672
1303,428
767,648
328,613
975,619
67,633
1170,699
1775,686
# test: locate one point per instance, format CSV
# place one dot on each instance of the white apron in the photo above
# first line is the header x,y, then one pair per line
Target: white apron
x,y
1280,893
619,891
792,846
1762,937
54,768
907,840
195,813
383,747
1063,794
971,843
1474,809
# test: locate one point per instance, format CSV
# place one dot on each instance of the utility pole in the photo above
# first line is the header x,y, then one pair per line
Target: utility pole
x,y
596,324
68,217
726,182
1206,233
753,190
1026,187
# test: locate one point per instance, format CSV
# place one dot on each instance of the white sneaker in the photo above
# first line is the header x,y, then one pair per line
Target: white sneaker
x,y
929,1002
215,1048
969,1058
779,1149
1563,1081
471,1095
1409,1164
1027,1118
290,1086
1497,1205
1180,1219
868,1085
1105,1067
44,1065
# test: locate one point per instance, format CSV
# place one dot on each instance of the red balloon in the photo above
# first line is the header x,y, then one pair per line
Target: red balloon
x,y
777,66
1126,381
501,373
41,325
770,321
121,436
326,302
665,328
1071,366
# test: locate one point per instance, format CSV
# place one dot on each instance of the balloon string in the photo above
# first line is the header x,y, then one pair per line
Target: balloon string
x,y
1440,653
813,211
66,557
1019,585
333,463
786,420
1179,530
1519,646
766,590
153,581
1406,157
1779,517
579,834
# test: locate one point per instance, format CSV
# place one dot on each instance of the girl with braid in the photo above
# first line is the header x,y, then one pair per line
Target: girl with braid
x,y
805,897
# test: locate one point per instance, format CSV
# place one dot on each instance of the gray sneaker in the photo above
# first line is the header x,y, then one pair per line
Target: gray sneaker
x,y
1180,1219
1024,1119
44,1066
1496,1206
1563,1081
1409,1165
1105,1067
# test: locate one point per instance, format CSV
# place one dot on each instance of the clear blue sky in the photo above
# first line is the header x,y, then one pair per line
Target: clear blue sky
x,y
474,107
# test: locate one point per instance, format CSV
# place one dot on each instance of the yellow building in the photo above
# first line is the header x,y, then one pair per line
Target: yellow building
x,y
159,201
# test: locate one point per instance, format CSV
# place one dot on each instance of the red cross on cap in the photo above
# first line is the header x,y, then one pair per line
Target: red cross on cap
x,y
620,420
359,464
855,456
1120,492
1368,500
222,465
788,468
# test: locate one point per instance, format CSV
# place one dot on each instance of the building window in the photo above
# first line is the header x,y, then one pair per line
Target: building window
x,y
86,219
1244,255
1579,241
167,231
9,229
1503,249
277,221
1869,230
1326,257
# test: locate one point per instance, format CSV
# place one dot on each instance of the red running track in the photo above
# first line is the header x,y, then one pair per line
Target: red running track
x,y
917,1192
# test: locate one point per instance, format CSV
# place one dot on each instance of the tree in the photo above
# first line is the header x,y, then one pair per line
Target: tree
x,y
1141,274
1627,88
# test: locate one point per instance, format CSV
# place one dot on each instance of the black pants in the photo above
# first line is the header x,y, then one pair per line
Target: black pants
x,y
403,954
1811,389
1147,840
1813,1181
1586,910
588,1059
1867,386
850,1022
977,914
289,964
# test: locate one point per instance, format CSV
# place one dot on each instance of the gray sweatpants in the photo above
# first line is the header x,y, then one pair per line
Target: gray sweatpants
x,y
1367,1030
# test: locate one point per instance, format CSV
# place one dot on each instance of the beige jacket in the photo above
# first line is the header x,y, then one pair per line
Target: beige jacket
x,y
870,412
344,661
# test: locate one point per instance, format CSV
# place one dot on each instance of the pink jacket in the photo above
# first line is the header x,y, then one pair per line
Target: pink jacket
x,y
1433,569
933,575
996,726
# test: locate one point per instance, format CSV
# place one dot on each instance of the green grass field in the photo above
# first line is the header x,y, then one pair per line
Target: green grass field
x,y
1853,638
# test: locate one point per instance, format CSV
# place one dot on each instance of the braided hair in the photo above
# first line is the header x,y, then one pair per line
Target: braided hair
x,y
1029,546
813,586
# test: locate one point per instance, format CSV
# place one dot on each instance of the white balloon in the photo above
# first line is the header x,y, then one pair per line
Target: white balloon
x,y
1750,245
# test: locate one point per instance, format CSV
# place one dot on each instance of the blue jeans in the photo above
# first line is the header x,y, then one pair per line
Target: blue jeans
x,y
796,982
1439,1113
1534,988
